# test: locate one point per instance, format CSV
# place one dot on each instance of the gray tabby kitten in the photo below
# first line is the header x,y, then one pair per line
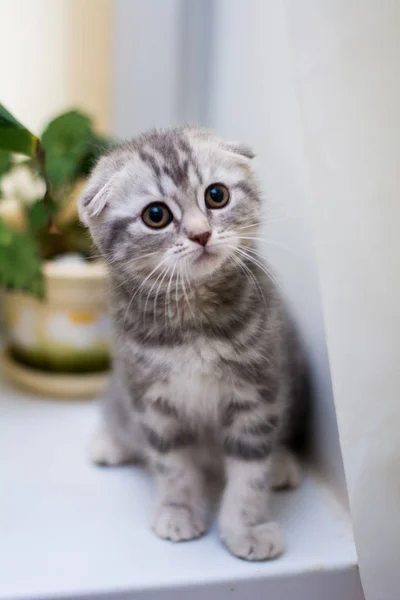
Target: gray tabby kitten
x,y
206,363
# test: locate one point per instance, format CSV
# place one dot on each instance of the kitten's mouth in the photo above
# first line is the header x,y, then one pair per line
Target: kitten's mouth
x,y
204,255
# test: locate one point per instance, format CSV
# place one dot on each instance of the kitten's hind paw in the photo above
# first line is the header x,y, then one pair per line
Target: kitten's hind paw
x,y
179,522
285,471
105,451
254,542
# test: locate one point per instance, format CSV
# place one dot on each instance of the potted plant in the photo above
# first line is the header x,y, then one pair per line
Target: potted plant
x,y
55,298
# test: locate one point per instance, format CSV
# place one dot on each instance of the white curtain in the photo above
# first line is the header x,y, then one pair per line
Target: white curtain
x,y
346,57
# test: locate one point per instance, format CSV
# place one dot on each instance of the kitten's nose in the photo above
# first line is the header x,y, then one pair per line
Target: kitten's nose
x,y
200,238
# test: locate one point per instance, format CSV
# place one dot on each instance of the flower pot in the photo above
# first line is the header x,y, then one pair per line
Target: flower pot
x,y
60,346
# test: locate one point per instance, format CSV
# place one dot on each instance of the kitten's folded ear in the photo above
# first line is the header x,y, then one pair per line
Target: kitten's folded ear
x,y
241,149
94,197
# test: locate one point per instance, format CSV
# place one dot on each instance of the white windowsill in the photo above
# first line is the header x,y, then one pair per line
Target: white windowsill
x,y
69,529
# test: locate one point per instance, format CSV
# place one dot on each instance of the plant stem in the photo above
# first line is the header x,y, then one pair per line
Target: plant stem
x,y
41,159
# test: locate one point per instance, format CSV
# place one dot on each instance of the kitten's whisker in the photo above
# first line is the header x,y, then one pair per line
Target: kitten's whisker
x,y
180,309
130,260
244,251
164,274
185,295
149,292
141,286
168,294
265,221
247,236
177,283
185,276
260,265
249,226
268,241
262,240
250,276
259,255
256,262
240,264
256,224
236,235
150,275
188,279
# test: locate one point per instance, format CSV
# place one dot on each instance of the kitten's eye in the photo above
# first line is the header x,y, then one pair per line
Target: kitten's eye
x,y
157,215
217,196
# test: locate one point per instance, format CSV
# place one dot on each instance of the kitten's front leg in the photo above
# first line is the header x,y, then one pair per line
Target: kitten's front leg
x,y
244,521
182,511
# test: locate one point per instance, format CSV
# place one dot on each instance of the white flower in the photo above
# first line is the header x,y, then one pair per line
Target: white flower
x,y
12,213
23,184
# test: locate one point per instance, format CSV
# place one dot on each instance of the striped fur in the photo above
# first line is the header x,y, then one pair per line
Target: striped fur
x,y
205,357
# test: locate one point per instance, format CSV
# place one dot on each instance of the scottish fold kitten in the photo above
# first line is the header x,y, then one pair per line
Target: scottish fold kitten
x,y
207,368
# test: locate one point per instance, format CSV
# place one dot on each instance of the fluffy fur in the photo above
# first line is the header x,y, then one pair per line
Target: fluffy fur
x,y
207,367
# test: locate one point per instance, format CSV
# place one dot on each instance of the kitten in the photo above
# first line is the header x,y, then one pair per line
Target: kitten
x,y
205,359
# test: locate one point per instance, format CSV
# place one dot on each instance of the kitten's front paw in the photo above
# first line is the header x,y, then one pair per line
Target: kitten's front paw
x,y
285,471
179,522
254,542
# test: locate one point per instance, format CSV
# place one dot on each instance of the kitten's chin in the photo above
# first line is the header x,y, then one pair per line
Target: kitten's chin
x,y
206,264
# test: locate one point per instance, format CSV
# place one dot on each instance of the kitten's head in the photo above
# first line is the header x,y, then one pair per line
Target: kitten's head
x,y
181,201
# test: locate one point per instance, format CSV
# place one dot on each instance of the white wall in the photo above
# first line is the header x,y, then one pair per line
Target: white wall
x,y
162,55
54,56
146,65
34,59
347,65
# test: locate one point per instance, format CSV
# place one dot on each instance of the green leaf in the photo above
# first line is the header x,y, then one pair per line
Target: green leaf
x,y
65,142
20,267
38,214
96,146
5,162
14,137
